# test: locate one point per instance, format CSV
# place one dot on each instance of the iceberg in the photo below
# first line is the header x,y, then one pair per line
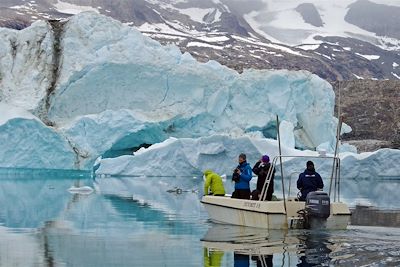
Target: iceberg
x,y
190,157
30,143
115,68
26,69
95,88
287,134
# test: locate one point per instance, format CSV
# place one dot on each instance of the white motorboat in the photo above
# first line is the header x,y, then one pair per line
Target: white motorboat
x,y
281,214
285,213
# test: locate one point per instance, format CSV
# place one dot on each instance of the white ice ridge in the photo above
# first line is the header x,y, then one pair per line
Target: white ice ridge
x,y
28,143
188,157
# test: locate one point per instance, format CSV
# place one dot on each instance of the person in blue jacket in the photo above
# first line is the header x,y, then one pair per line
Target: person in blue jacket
x,y
309,181
242,176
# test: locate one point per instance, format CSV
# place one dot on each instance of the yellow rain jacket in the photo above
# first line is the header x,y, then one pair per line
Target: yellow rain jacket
x,y
214,183
212,258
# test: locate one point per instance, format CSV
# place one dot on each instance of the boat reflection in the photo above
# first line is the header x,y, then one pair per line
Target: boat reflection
x,y
314,250
245,246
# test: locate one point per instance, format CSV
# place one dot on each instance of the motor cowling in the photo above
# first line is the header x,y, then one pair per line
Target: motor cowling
x,y
318,204
318,208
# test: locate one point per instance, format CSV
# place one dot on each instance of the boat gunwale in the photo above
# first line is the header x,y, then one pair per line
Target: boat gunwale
x,y
236,208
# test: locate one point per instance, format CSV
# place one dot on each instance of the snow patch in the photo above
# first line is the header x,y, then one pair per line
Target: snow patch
x,y
369,57
358,77
395,75
286,25
67,8
196,14
213,39
308,46
198,44
158,28
285,49
388,43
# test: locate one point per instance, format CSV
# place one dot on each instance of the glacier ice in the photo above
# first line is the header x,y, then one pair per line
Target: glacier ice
x,y
30,143
189,157
26,67
106,89
286,134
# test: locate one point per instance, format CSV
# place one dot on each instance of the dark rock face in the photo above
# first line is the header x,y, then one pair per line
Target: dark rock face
x,y
372,216
310,14
366,15
230,23
372,109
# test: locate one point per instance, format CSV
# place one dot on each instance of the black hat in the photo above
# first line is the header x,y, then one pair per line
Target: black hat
x,y
310,163
243,156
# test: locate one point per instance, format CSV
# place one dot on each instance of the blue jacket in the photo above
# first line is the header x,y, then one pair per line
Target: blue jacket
x,y
309,181
246,174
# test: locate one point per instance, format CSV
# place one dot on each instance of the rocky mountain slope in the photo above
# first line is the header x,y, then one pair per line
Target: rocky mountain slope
x,y
373,111
330,40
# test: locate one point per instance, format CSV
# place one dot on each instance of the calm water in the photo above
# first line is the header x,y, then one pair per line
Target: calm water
x,y
137,221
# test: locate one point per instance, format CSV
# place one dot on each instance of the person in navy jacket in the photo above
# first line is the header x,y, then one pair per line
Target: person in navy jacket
x,y
309,181
242,176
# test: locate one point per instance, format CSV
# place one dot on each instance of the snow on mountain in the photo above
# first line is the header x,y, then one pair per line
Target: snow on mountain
x,y
287,27
67,8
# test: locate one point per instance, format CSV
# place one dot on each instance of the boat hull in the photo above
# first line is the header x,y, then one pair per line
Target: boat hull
x,y
268,214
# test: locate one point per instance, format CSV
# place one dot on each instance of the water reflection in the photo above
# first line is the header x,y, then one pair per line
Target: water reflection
x,y
313,249
157,192
263,260
245,246
129,222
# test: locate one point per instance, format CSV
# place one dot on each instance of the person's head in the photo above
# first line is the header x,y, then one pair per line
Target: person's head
x,y
265,159
242,157
205,173
310,165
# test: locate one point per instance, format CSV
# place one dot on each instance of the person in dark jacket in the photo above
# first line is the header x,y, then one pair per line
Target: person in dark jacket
x,y
242,176
309,181
261,169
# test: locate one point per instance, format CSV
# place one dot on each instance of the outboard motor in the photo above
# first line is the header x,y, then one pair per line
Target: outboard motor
x,y
317,209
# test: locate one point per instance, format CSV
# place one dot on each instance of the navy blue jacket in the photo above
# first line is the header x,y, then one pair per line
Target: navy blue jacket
x,y
246,174
309,181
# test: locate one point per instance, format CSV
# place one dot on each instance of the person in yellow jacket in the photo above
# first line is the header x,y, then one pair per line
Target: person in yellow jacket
x,y
212,258
214,183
